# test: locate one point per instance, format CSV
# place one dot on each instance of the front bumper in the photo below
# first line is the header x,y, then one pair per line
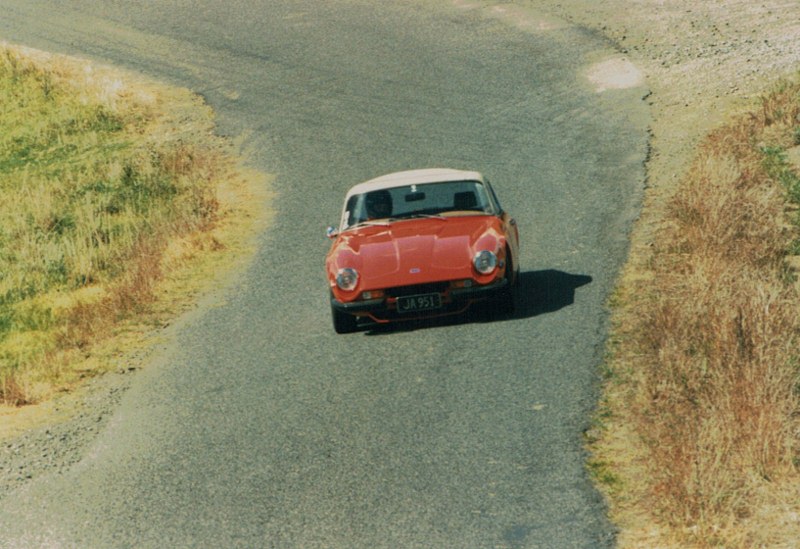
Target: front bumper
x,y
454,301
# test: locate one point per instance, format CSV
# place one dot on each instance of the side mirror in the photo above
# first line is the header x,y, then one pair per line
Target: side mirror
x,y
332,232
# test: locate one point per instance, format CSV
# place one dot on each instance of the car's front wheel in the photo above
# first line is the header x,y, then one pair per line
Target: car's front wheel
x,y
343,323
506,301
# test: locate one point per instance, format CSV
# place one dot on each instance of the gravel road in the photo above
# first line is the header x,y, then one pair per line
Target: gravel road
x,y
258,425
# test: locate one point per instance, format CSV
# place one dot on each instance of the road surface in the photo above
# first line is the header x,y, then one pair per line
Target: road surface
x,y
258,426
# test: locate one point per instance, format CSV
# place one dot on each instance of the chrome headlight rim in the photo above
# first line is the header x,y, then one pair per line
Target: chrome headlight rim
x,y
347,279
485,262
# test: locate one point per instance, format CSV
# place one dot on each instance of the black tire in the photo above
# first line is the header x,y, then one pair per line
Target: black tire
x,y
507,300
343,323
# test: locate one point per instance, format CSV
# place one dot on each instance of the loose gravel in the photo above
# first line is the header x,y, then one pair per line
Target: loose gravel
x,y
54,448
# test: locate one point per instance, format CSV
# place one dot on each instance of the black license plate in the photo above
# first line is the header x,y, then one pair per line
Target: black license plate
x,y
414,303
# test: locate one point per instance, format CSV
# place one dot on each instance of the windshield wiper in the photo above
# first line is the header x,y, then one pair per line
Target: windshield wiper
x,y
372,223
424,216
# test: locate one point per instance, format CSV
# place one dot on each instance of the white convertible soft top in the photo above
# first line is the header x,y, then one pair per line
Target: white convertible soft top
x,y
414,177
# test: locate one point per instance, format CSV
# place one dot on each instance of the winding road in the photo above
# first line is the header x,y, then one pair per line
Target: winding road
x,y
258,426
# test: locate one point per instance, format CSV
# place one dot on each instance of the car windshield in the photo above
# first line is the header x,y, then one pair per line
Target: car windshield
x,y
409,201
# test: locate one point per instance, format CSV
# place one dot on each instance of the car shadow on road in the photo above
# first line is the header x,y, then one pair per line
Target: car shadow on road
x,y
538,293
546,291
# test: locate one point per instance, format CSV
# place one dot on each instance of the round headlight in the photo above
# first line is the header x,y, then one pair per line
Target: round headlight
x,y
347,279
485,262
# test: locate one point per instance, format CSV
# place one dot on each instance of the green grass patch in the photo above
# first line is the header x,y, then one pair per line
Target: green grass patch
x,y
778,167
95,179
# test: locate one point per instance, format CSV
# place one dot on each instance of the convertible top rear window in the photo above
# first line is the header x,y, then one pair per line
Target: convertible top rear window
x,y
417,201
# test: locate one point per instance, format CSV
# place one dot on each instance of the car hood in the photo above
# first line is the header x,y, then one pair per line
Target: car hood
x,y
415,251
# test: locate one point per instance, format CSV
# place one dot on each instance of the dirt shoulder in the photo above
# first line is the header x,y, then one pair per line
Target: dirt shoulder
x,y
704,61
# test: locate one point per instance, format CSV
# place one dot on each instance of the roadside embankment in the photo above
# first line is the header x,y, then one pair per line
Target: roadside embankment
x,y
119,207
697,441
699,430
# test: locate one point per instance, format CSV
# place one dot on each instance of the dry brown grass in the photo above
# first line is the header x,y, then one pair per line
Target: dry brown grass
x,y
704,367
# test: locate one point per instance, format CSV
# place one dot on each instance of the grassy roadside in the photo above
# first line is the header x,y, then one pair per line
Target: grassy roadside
x,y
697,436
118,206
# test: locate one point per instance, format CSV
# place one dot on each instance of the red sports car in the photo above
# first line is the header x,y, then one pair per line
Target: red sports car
x,y
420,243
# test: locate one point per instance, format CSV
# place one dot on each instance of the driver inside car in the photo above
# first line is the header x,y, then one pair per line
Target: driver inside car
x,y
379,204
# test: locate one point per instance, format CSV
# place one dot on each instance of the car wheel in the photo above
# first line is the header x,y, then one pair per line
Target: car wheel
x,y
343,323
506,301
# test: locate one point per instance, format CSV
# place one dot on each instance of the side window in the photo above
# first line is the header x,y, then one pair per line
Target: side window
x,y
498,207
352,213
